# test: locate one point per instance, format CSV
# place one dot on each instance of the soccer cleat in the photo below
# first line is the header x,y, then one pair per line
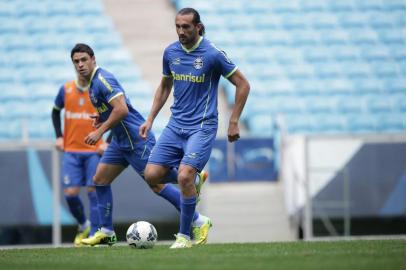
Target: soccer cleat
x,y
203,175
200,234
81,235
100,238
181,242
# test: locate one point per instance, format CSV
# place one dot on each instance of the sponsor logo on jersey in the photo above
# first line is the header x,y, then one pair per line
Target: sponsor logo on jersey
x,y
103,108
198,63
176,61
77,115
188,77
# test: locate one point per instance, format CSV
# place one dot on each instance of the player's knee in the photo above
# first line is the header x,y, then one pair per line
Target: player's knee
x,y
71,192
152,177
185,179
100,180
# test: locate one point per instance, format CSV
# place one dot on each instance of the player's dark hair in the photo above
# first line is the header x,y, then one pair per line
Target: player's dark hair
x,y
196,18
83,48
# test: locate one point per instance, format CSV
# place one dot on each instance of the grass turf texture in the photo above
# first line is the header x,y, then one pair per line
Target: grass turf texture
x,y
362,254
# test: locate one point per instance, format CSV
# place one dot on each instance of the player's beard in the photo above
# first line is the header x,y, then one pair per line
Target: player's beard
x,y
187,40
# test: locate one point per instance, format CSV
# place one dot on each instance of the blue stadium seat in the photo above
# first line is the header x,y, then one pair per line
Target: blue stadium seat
x,y
387,69
317,54
336,37
299,71
266,22
351,105
341,6
321,105
10,130
277,38
323,20
370,5
336,86
345,53
302,124
294,21
306,37
353,20
363,123
40,129
13,92
395,85
376,53
368,85
312,6
377,104
356,69
328,70
261,125
308,86
363,36
391,123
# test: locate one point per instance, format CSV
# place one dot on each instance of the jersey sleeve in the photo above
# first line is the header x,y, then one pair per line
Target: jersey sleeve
x,y
60,99
109,87
166,71
224,64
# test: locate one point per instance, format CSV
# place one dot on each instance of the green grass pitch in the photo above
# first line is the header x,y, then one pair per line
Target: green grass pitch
x,y
356,254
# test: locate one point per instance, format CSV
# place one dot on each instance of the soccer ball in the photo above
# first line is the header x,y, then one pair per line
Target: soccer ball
x,y
141,234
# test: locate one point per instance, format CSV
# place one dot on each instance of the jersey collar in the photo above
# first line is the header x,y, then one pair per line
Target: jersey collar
x,y
81,88
91,77
194,46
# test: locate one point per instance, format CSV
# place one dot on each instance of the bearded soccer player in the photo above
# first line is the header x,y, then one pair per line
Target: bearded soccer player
x,y
126,147
193,66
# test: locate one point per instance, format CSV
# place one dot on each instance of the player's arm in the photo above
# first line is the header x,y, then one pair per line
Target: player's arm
x,y
161,96
118,113
56,122
241,95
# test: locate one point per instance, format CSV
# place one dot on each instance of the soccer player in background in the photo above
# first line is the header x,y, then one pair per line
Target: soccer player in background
x,y
116,113
79,159
193,66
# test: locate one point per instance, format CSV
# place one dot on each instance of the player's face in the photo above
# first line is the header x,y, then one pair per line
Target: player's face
x,y
188,33
84,64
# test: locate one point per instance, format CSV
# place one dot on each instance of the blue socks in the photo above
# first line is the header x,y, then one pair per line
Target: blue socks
x,y
76,208
187,211
94,212
172,195
105,205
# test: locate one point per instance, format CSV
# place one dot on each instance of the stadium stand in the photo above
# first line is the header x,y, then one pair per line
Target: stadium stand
x,y
35,43
322,66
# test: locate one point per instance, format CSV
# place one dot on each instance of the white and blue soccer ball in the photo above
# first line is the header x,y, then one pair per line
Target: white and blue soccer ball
x,y
141,234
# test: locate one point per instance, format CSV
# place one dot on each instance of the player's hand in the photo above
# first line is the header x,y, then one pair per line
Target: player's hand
x,y
96,120
93,137
59,144
144,129
102,147
233,132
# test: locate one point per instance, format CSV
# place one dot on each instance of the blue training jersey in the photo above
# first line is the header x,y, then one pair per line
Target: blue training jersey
x,y
103,88
196,74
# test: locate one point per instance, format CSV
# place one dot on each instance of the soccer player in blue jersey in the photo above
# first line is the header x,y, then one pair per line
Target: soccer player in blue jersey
x,y
116,113
193,66
79,159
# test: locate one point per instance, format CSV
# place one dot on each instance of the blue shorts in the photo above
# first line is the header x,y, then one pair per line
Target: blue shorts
x,y
78,168
137,158
187,146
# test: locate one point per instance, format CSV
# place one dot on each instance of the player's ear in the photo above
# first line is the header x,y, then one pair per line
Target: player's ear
x,y
94,59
